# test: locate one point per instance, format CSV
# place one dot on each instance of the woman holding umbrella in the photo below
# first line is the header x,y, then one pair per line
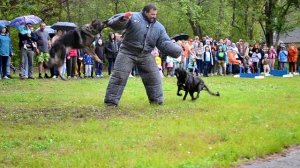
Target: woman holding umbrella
x,y
5,51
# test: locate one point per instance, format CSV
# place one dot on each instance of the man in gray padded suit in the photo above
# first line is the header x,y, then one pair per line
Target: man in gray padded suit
x,y
142,34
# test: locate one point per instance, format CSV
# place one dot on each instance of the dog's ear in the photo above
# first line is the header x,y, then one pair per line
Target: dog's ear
x,y
97,25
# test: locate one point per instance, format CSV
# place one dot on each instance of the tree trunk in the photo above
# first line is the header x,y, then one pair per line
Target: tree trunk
x,y
268,22
68,11
196,28
220,18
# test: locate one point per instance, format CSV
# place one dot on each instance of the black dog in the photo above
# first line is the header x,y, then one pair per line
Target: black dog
x,y
190,84
81,37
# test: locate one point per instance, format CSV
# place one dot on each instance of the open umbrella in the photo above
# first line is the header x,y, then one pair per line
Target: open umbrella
x,y
4,22
47,29
63,26
22,20
180,36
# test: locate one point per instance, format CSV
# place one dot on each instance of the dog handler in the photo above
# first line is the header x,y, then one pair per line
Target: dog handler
x,y
142,34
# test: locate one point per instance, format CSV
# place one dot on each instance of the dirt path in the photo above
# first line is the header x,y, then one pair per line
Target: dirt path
x,y
290,158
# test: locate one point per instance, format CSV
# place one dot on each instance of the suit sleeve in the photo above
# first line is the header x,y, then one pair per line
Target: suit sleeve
x,y
166,46
116,22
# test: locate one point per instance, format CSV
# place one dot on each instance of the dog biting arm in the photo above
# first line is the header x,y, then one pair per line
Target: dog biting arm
x,y
117,22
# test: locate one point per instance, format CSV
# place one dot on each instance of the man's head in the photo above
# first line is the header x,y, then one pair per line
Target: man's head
x,y
150,12
42,26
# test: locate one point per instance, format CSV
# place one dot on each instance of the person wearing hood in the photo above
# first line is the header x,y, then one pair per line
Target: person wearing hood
x,y
111,50
5,51
142,34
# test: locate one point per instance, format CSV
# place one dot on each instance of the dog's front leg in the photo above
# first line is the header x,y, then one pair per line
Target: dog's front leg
x,y
178,91
185,94
91,52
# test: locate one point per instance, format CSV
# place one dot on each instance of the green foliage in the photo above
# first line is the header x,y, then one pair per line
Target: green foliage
x,y
213,18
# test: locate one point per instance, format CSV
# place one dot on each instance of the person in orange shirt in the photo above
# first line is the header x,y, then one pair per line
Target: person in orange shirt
x,y
292,58
233,62
187,45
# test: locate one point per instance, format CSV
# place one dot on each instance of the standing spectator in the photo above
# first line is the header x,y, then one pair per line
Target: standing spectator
x,y
292,58
71,63
111,50
214,68
242,52
155,54
192,66
272,57
221,58
208,61
79,67
5,51
27,45
88,64
99,50
247,58
256,56
43,45
170,65
282,58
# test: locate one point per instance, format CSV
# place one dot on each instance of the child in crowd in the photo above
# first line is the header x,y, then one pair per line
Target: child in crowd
x,y
266,65
158,63
208,61
27,30
282,57
192,65
272,57
256,56
170,65
88,64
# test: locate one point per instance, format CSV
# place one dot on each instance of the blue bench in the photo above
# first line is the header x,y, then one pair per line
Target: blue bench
x,y
249,75
279,72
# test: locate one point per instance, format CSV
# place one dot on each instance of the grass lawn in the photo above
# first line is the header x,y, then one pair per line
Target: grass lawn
x,y
54,123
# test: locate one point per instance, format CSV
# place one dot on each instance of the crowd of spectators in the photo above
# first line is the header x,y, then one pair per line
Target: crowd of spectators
x,y
201,57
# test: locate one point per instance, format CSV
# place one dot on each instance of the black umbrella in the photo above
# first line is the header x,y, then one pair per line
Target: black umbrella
x,y
180,36
63,26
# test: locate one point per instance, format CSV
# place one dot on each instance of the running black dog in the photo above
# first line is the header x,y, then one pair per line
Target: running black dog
x,y
190,84
81,37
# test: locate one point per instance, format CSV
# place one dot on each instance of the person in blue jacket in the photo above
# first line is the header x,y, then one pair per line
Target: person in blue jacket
x,y
142,34
5,51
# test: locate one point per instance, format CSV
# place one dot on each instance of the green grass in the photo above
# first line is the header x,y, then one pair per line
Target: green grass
x,y
53,123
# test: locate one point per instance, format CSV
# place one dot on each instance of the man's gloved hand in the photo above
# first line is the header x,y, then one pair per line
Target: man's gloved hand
x,y
127,15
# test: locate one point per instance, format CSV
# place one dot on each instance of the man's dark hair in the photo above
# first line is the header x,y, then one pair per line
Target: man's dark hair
x,y
148,7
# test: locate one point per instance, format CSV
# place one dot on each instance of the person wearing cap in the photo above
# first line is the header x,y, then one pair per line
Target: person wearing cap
x,y
5,51
142,34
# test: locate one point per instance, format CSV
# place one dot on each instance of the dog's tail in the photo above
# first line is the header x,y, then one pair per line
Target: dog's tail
x,y
210,92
